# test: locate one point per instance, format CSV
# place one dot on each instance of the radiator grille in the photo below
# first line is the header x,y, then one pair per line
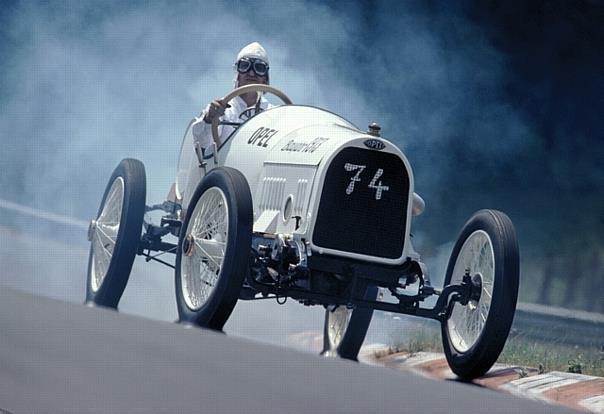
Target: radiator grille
x,y
363,207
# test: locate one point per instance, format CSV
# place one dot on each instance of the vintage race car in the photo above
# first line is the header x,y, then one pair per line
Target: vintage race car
x,y
298,202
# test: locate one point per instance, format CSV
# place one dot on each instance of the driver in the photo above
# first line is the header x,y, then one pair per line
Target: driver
x,y
251,67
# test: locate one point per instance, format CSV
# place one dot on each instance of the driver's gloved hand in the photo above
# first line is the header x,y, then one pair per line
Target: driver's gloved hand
x,y
215,109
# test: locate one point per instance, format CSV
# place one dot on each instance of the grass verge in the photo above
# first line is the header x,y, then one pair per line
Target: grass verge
x,y
519,350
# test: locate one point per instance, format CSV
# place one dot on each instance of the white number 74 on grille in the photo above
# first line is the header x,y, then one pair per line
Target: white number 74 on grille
x,y
379,188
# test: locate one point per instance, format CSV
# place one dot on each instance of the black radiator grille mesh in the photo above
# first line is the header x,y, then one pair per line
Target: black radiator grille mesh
x,y
363,207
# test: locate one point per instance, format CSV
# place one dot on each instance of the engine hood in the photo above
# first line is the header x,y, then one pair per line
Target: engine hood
x,y
309,145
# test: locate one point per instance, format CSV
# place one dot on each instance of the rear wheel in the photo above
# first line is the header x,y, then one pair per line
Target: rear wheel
x,y
345,329
115,234
475,334
214,248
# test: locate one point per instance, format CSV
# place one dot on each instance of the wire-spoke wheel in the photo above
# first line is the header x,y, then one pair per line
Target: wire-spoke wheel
x,y
115,233
214,249
477,258
344,329
204,248
475,333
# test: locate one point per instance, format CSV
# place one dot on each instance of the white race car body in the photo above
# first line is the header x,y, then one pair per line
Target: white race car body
x,y
318,179
299,203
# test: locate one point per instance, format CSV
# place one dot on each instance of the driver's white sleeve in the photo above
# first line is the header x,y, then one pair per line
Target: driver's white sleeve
x,y
202,131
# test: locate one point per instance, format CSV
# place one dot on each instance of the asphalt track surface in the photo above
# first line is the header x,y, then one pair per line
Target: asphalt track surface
x,y
57,357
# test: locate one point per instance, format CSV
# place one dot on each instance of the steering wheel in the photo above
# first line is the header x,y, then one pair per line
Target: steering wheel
x,y
256,87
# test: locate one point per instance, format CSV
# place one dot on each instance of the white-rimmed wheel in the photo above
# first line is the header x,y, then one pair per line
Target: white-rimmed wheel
x,y
214,249
475,333
115,234
344,329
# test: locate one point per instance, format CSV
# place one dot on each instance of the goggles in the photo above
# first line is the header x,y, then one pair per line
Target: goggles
x,y
259,67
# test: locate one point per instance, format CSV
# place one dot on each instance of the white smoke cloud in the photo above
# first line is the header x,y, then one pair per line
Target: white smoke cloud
x,y
93,84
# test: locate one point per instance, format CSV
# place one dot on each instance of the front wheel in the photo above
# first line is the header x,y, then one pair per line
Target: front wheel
x,y
115,234
475,333
213,253
344,329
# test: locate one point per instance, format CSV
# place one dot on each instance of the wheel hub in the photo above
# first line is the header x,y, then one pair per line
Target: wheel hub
x,y
188,244
476,287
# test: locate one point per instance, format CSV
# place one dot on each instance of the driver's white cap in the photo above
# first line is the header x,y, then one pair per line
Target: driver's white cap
x,y
253,50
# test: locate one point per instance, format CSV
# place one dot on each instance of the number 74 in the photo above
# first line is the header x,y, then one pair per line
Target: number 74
x,y
379,188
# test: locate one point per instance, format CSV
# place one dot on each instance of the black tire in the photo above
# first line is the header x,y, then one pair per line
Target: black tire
x,y
107,291
354,334
216,307
473,358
